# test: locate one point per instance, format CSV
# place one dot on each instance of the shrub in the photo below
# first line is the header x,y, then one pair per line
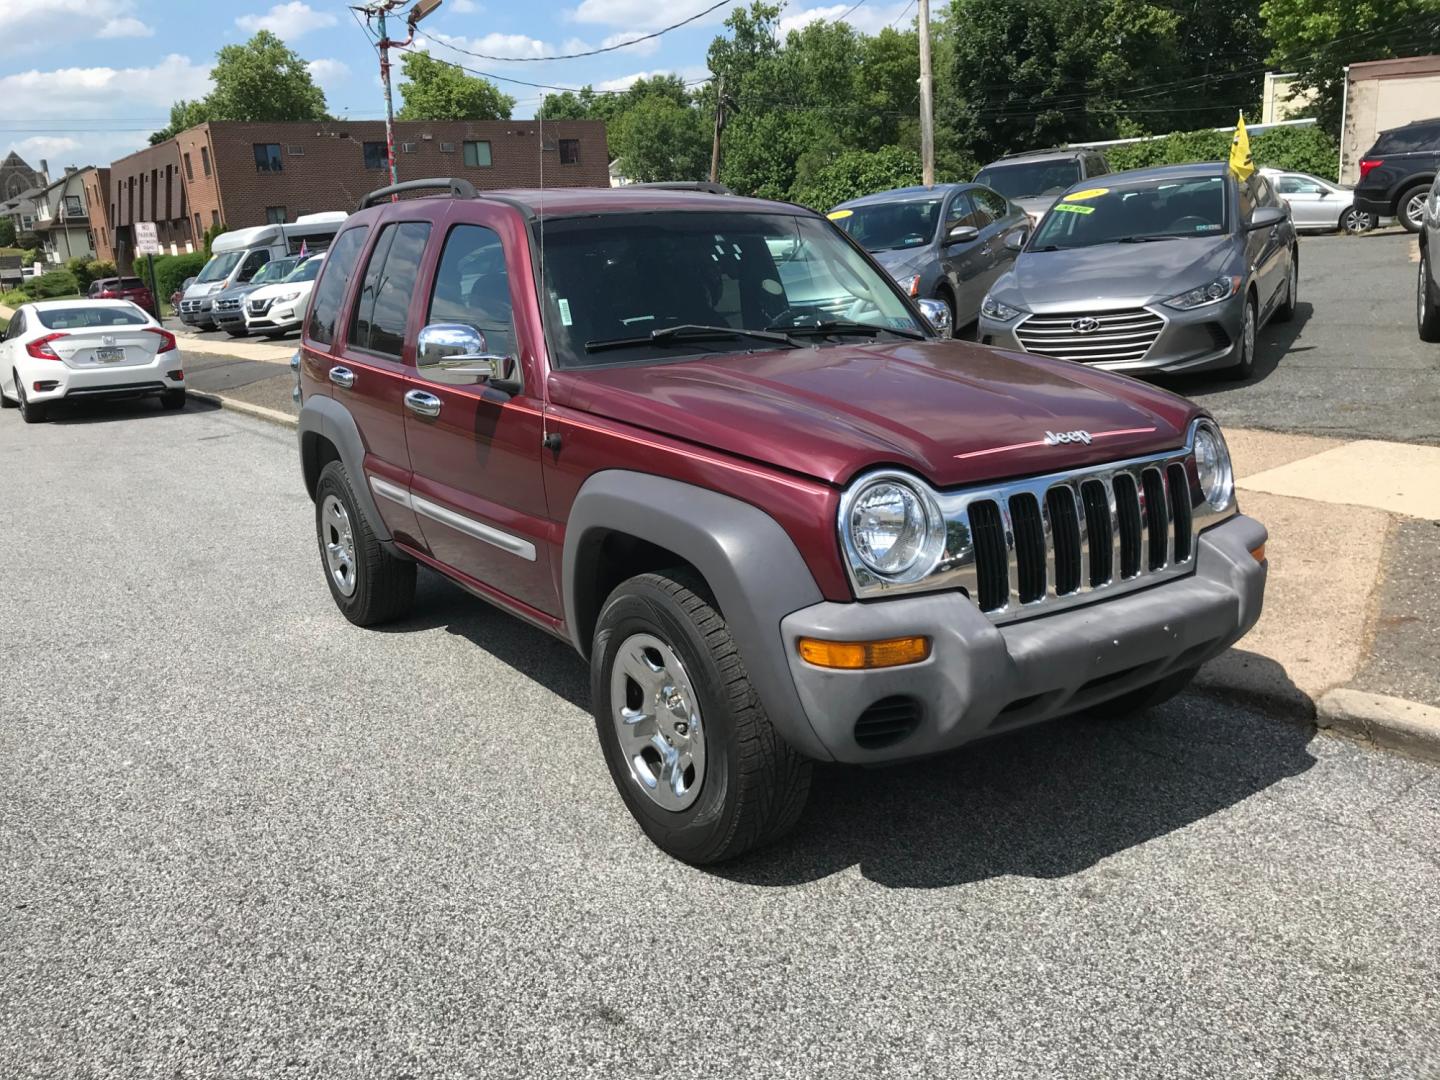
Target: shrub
x,y
14,298
47,286
170,271
1302,149
100,268
859,172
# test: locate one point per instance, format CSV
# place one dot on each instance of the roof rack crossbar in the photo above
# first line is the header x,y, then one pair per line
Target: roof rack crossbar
x,y
459,189
708,186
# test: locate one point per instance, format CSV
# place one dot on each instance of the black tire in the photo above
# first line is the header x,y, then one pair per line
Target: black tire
x,y
172,399
1427,301
755,784
31,412
1245,366
1419,191
1286,311
383,584
1143,697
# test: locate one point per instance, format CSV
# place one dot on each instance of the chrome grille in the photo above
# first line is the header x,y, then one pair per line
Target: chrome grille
x,y
229,304
259,307
1106,337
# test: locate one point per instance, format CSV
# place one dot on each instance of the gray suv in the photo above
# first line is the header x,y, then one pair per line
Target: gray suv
x,y
1035,178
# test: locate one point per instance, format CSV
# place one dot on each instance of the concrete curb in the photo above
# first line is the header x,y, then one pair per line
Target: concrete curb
x,y
1391,722
258,411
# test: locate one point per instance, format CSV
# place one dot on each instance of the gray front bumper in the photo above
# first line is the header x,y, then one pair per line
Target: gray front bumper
x,y
981,678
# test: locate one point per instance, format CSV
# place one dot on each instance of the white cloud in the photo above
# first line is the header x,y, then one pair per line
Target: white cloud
x,y
126,26
287,21
867,18
328,73
643,15
51,148
464,7
506,46
624,82
643,48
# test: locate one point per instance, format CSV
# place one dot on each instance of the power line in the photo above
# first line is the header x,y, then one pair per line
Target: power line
x,y
591,52
903,10
539,85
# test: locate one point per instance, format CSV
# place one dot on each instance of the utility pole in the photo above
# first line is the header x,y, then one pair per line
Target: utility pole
x,y
719,123
378,11
927,101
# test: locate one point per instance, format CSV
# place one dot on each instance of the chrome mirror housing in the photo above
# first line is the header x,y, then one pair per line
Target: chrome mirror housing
x,y
937,313
455,353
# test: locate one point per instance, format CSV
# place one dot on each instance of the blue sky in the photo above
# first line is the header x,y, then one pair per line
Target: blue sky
x,y
84,81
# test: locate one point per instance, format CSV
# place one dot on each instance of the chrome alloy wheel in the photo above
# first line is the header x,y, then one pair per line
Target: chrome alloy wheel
x,y
1357,221
657,721
338,539
1415,210
1249,334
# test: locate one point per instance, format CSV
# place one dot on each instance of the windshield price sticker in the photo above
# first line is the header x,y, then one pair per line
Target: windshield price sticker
x,y
1071,208
836,215
1088,193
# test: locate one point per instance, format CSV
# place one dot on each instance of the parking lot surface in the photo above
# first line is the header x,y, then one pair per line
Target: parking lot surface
x,y
240,837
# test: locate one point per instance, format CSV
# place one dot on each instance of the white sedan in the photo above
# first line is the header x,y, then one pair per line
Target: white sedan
x,y
58,350
275,309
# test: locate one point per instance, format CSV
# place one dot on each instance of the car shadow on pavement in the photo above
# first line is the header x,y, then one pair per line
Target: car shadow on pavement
x,y
1045,802
124,409
1272,345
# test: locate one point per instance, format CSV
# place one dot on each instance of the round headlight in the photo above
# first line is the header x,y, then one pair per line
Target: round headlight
x,y
892,527
1212,463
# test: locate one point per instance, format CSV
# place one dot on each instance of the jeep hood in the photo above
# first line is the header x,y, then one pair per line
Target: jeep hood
x,y
955,412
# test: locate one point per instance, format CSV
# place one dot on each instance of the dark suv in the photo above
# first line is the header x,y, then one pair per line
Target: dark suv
x,y
709,442
1396,173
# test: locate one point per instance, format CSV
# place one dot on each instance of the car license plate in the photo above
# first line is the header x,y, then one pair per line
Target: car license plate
x,y
109,354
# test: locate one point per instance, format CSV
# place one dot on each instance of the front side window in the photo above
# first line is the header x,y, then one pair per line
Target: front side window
x,y
477,155
887,226
1026,179
267,157
330,292
627,287
471,287
253,262
274,270
219,266
308,270
1135,213
378,324
569,151
962,212
376,156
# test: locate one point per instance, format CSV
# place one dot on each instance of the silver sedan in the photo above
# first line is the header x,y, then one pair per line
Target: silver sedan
x,y
1317,204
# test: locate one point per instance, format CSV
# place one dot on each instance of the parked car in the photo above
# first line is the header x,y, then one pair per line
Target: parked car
x,y
1427,288
1174,268
179,293
124,288
1396,173
228,307
64,350
278,307
1035,178
776,535
946,243
1317,204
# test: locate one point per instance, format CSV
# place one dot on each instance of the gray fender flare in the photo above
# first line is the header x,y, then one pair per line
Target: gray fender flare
x,y
328,418
750,563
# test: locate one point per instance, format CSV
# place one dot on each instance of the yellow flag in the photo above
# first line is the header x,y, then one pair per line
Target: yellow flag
x,y
1241,163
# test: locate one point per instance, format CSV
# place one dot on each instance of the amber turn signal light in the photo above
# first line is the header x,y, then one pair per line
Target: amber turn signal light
x,y
856,655
1258,554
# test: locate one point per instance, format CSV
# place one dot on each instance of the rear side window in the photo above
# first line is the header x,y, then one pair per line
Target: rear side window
x,y
131,283
1409,139
77,318
990,202
378,324
330,293
472,287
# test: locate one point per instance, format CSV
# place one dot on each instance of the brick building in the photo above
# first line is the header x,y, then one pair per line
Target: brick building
x,y
245,174
95,185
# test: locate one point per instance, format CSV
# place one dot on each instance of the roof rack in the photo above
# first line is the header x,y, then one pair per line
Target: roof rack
x,y
459,189
708,186
1044,150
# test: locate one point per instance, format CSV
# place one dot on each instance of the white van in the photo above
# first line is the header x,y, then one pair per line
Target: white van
x,y
235,256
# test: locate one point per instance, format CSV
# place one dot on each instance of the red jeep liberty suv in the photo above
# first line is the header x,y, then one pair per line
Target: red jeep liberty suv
x,y
707,440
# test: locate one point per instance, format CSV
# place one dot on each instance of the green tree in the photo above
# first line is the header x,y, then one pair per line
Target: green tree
x,y
7,233
183,114
1318,38
661,139
435,90
860,172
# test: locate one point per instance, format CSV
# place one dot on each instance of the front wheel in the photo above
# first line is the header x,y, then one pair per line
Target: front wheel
x,y
1245,366
237,333
1357,221
1411,207
369,584
685,736
1427,301
1286,311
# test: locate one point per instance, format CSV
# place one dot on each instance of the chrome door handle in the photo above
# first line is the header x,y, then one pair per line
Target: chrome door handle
x,y
422,404
342,377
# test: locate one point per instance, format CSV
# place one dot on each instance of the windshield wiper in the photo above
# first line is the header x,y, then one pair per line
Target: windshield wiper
x,y
1050,247
1148,238
847,326
690,332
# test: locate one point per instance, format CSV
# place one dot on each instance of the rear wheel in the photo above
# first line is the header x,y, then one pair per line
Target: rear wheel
x,y
369,584
684,733
172,399
1245,366
1427,301
1411,207
30,411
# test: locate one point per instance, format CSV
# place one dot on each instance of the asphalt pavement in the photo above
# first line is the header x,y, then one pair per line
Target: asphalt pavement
x,y
240,837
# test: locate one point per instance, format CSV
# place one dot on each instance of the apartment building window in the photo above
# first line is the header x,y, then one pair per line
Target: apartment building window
x,y
275,215
189,168
297,151
267,157
73,207
199,229
477,154
375,156
447,147
569,151
205,160
214,217
407,148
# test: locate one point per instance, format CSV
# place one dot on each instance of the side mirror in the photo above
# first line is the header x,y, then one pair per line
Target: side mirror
x,y
962,234
454,353
1266,217
937,313
1016,240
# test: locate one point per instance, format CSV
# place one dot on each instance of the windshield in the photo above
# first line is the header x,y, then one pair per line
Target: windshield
x,y
614,280
274,270
219,266
1026,179
76,318
1154,210
306,271
887,226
